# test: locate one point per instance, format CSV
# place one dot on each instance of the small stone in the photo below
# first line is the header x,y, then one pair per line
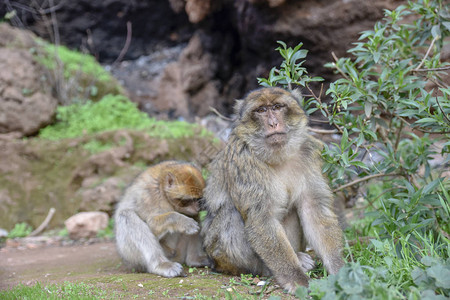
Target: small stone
x,y
3,233
86,224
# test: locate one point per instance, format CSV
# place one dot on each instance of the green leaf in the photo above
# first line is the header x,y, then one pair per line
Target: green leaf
x,y
441,274
368,108
436,32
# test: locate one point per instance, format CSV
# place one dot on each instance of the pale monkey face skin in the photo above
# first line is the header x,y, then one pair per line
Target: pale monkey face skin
x,y
266,197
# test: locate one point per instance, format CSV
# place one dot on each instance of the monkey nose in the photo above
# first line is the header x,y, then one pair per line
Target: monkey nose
x,y
273,124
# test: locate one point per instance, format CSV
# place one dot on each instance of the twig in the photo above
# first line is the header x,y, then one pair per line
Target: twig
x,y
432,69
362,180
399,133
319,121
339,69
220,115
127,44
55,24
325,108
44,224
324,131
442,111
426,54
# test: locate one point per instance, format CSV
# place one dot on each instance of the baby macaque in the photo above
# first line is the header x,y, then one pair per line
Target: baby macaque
x,y
156,221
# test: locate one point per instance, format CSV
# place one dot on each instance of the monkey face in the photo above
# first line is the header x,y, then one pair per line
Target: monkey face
x,y
270,118
183,187
188,207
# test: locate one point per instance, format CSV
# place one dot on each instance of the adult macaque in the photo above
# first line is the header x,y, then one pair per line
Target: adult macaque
x,y
266,196
156,229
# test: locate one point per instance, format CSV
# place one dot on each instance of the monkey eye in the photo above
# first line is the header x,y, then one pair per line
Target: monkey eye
x,y
261,109
277,106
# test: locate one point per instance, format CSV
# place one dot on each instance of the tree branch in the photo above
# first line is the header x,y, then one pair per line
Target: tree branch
x,y
432,69
426,54
359,180
44,224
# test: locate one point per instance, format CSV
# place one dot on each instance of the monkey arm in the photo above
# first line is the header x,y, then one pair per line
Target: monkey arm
x,y
172,222
322,230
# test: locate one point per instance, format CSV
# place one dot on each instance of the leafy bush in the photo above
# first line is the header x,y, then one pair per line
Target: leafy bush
x,y
110,113
392,111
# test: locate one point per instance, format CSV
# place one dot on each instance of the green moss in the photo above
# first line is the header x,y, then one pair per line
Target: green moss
x,y
74,62
112,112
79,75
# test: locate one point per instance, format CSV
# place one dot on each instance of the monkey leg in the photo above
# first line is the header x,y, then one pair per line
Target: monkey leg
x,y
139,247
195,255
226,243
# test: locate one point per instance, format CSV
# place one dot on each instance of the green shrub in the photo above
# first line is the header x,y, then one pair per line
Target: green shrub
x,y
393,114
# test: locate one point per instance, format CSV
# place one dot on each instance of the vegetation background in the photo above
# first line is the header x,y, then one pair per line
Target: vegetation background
x,y
390,108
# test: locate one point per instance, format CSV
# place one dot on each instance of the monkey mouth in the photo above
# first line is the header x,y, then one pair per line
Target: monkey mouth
x,y
276,138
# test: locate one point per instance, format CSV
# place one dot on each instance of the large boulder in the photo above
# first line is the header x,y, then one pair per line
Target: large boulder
x,y
26,102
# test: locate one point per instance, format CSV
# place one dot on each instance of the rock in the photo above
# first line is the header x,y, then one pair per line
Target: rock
x,y
187,87
103,196
3,233
86,224
16,38
25,104
237,46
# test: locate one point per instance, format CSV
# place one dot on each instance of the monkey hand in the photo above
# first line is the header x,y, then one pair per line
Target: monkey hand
x,y
189,226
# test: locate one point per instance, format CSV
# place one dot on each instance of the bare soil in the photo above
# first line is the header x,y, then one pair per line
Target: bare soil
x,y
99,265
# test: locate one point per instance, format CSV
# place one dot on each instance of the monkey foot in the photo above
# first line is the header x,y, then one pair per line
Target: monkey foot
x,y
306,261
169,269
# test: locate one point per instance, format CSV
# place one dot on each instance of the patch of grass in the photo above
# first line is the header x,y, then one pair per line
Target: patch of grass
x,y
76,75
112,112
108,232
67,290
20,230
74,62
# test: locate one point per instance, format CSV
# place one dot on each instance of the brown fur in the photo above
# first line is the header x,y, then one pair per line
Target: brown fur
x,y
155,221
266,197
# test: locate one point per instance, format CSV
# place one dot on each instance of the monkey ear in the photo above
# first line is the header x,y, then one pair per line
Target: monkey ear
x,y
238,107
297,94
170,179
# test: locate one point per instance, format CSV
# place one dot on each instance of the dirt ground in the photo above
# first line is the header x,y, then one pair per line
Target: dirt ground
x,y
98,265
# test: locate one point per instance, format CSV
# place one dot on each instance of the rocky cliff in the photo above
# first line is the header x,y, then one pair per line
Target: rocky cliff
x,y
181,56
